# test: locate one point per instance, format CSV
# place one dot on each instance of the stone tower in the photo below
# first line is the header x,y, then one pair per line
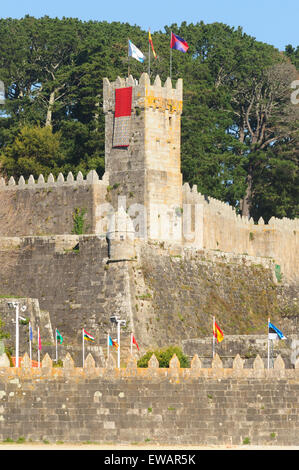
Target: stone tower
x,y
142,153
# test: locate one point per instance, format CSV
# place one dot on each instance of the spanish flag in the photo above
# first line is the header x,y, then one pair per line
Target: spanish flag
x,y
151,43
217,332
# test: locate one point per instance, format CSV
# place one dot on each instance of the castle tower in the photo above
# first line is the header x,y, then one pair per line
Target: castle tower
x,y
142,152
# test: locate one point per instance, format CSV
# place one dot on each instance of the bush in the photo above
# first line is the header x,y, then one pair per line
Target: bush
x,y
164,356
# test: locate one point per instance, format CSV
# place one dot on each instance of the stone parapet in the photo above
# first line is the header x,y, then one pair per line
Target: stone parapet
x,y
162,406
42,182
145,94
196,369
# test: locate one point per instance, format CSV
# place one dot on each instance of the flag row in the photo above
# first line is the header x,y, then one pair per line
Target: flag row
x,y
176,43
85,337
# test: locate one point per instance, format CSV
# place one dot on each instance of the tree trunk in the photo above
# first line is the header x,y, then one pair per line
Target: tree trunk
x,y
50,109
246,202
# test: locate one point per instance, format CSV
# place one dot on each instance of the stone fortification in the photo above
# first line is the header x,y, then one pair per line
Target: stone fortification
x,y
154,251
164,406
166,294
144,180
148,171
70,277
32,314
46,207
247,346
214,225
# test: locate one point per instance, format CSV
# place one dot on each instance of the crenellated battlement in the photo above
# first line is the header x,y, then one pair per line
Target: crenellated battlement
x,y
146,94
42,182
135,405
220,208
196,369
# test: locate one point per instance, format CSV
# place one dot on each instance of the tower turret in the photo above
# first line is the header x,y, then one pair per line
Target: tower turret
x,y
142,150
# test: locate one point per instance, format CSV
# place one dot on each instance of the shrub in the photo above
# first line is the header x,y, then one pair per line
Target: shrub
x,y
164,355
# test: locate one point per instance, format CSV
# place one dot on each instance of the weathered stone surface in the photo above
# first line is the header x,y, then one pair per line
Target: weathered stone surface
x,y
75,404
4,361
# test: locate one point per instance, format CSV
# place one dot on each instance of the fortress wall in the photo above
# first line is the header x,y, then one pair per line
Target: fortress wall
x,y
224,230
69,276
167,294
177,291
203,406
45,208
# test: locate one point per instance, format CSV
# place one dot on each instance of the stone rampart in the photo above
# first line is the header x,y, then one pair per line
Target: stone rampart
x,y
216,226
162,406
71,279
247,346
166,293
48,207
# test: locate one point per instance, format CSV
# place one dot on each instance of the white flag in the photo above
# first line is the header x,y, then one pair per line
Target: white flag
x,y
135,52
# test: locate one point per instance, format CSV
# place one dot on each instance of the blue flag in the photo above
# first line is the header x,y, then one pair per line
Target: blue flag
x,y
30,333
274,331
113,343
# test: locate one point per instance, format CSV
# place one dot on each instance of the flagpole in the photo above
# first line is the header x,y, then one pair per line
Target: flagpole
x,y
38,350
108,346
30,344
118,341
131,344
170,64
268,345
83,346
149,55
213,337
56,344
128,58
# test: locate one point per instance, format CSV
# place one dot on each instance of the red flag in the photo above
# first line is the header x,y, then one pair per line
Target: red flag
x,y
178,43
135,342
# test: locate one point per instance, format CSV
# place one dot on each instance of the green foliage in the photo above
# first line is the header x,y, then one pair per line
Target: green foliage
x,y
3,334
34,151
58,363
79,222
239,141
164,355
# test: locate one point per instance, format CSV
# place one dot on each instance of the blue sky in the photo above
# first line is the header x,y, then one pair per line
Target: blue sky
x,y
273,21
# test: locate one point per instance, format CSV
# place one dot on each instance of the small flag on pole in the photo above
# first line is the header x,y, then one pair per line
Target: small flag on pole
x,y
59,337
134,52
178,43
151,43
274,332
87,336
39,342
113,343
134,341
30,341
217,332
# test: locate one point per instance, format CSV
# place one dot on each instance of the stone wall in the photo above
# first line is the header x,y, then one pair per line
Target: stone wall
x,y
177,292
33,314
166,293
47,207
71,279
247,346
162,406
216,226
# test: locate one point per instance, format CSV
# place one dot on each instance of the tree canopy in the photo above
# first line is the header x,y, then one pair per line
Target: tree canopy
x,y
240,139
